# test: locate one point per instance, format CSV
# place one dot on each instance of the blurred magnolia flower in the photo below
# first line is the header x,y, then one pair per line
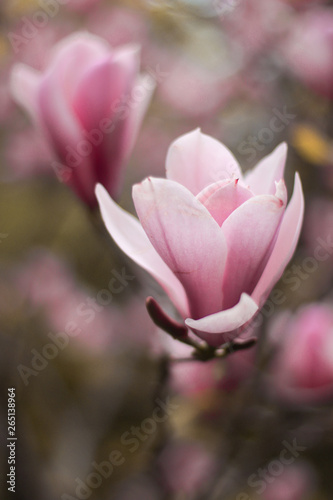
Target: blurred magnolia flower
x,y
89,102
254,26
308,50
296,482
215,240
302,370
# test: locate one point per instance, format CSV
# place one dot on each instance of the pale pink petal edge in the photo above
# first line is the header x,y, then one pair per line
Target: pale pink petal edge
x,y
129,235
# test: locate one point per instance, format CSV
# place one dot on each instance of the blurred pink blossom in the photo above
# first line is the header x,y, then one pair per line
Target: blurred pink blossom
x,y
217,242
302,370
255,26
295,483
89,103
308,49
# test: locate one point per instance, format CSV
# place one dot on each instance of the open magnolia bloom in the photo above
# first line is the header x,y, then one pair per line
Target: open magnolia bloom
x,y
89,104
215,240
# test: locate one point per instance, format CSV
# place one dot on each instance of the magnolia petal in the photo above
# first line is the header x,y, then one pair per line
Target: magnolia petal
x,y
120,138
223,326
250,232
65,134
269,170
186,237
74,54
92,107
131,238
284,246
196,160
221,202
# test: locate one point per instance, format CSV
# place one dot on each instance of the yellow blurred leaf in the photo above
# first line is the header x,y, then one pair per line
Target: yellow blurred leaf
x,y
312,145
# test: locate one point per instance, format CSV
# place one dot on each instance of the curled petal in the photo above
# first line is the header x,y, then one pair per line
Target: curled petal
x,y
223,326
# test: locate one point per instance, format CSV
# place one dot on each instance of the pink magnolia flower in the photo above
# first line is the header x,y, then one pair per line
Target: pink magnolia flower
x,y
302,370
215,240
89,102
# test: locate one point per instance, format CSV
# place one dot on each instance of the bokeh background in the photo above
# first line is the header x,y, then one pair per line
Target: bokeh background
x,y
251,73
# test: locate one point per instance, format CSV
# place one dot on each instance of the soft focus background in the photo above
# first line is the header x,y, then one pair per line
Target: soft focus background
x,y
251,73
